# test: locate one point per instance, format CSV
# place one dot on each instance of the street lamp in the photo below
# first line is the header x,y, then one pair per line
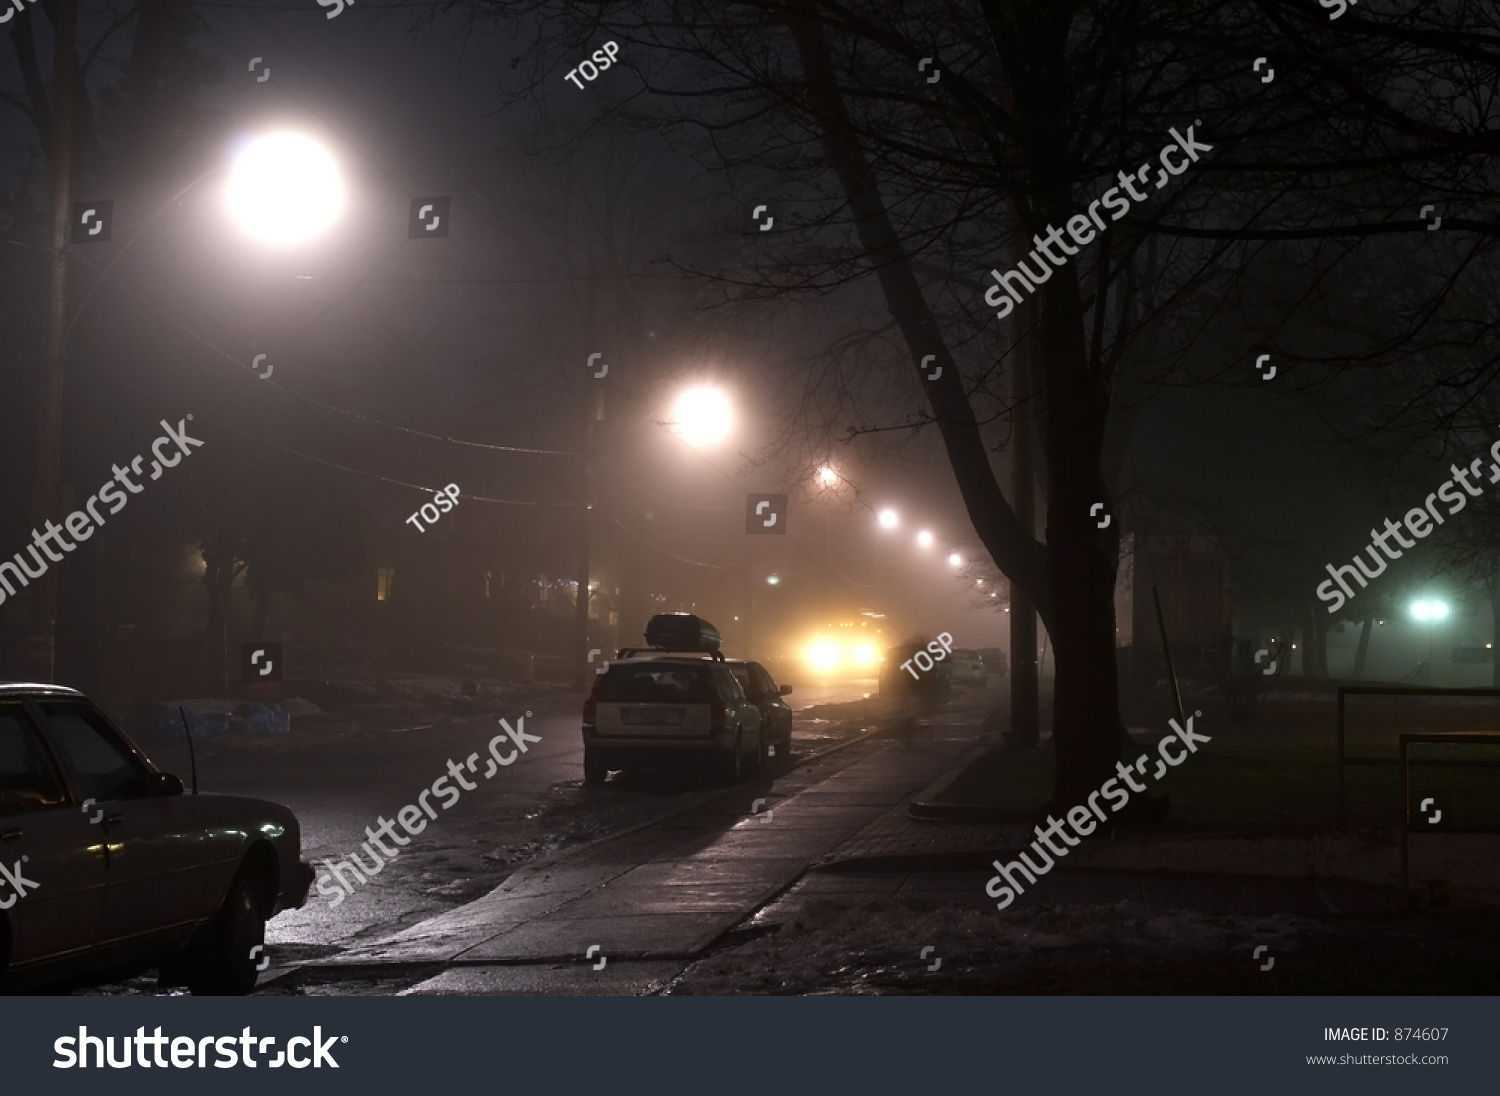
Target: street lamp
x,y
889,519
702,415
284,188
924,539
1431,610
955,560
827,477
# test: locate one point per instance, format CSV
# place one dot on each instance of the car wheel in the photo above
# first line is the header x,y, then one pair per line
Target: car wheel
x,y
784,746
227,965
594,770
732,768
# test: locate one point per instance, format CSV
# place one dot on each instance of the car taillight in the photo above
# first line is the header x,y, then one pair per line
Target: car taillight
x,y
720,714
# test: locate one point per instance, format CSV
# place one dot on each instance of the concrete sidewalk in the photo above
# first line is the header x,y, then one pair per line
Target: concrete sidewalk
x,y
670,890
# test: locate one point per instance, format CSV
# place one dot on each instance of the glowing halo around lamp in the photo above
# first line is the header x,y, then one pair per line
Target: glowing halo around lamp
x,y
284,188
702,415
1430,609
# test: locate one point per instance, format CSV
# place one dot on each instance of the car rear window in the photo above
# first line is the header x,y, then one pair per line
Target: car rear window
x,y
657,683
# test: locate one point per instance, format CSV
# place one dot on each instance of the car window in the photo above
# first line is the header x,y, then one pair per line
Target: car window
x,y
729,685
746,679
657,683
28,779
763,683
105,768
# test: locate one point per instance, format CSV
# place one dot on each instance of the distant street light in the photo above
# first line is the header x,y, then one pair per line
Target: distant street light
x,y
1431,610
827,477
889,519
284,188
773,580
702,415
955,560
924,539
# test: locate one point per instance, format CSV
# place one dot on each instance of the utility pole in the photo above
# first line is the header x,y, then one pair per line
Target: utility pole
x,y
1025,705
749,602
593,411
42,644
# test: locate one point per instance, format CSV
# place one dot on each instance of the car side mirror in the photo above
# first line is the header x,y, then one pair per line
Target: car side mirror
x,y
163,784
785,690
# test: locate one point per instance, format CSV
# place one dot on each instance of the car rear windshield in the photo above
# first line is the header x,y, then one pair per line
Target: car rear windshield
x,y
657,683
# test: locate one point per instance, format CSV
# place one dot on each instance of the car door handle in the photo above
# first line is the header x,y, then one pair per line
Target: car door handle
x,y
9,835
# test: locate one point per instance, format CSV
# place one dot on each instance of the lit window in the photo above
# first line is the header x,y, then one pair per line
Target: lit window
x,y
383,578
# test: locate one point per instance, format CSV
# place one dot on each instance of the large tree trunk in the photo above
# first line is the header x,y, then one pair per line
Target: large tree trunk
x,y
1071,580
1086,726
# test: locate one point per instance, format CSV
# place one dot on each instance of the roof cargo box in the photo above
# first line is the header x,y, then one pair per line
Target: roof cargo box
x,y
682,632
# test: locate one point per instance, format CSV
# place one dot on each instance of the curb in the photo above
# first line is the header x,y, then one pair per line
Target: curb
x,y
954,860
924,806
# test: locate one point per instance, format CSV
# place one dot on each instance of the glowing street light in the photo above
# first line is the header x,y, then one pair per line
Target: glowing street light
x,y
924,539
284,188
955,560
827,477
1429,609
889,519
773,580
702,415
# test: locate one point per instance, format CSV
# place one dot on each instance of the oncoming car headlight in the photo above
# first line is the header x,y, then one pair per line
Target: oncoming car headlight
x,y
823,655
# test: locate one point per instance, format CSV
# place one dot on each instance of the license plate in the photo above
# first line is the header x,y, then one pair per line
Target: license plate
x,y
660,717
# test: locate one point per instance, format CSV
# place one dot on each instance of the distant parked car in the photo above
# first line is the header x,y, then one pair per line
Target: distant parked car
x,y
110,870
967,667
664,710
994,661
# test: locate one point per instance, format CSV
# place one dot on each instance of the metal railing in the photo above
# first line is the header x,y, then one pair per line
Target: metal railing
x,y
1452,738
1388,690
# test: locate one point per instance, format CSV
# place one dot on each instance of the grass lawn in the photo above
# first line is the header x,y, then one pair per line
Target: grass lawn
x,y
1277,774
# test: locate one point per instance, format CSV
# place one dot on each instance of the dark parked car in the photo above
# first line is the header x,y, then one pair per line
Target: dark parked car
x,y
107,869
765,694
931,687
994,661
